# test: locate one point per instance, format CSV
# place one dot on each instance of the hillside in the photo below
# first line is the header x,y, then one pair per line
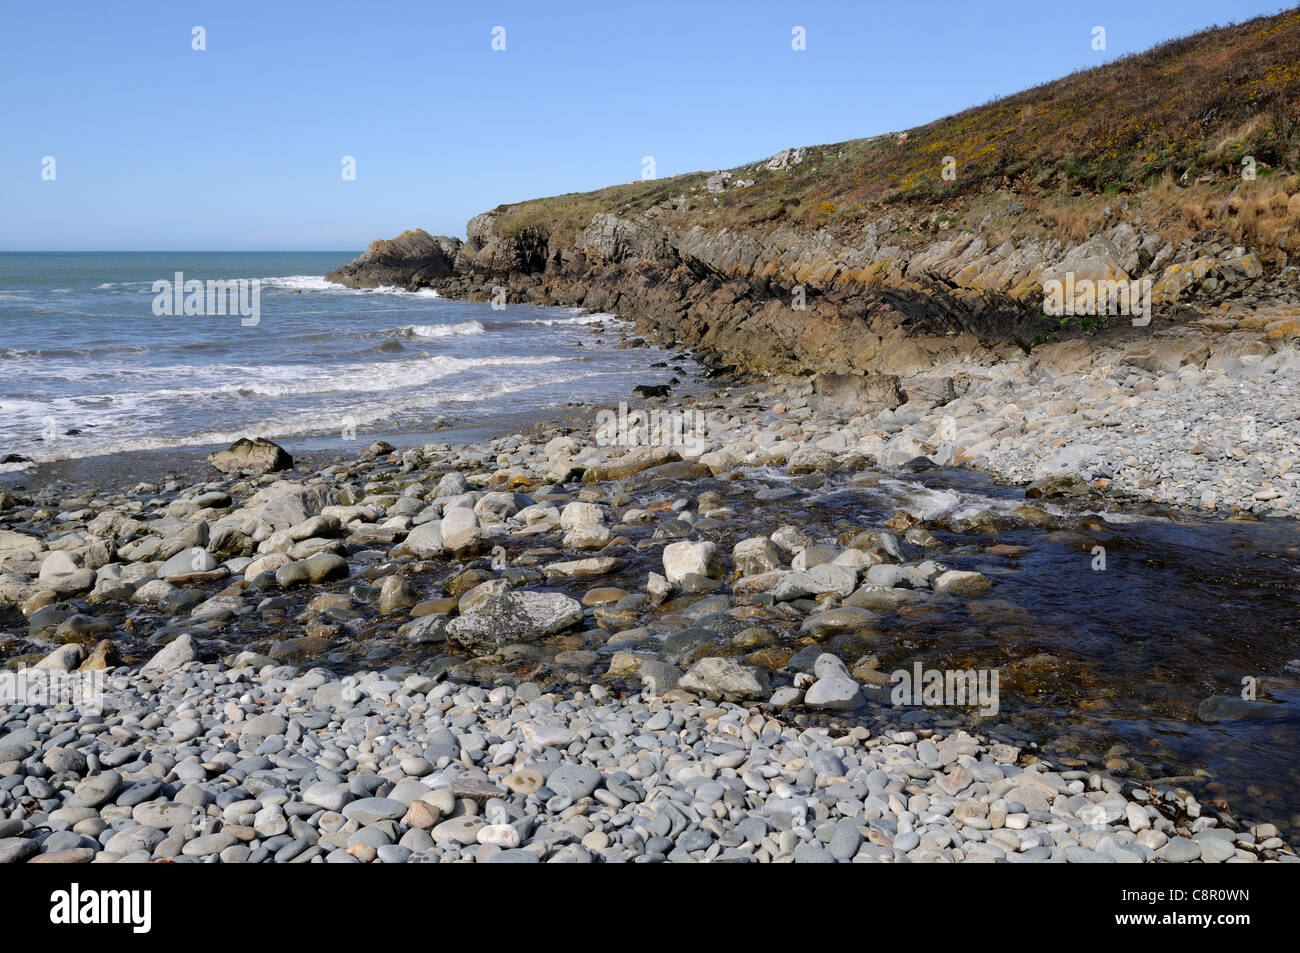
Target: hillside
x,y
1185,113
1177,165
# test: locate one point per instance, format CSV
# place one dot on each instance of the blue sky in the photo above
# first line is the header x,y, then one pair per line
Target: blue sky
x,y
158,146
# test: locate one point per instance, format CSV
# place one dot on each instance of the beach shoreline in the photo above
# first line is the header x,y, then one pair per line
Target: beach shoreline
x,y
359,566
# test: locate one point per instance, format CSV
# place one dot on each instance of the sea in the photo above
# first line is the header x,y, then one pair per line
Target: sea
x,y
89,367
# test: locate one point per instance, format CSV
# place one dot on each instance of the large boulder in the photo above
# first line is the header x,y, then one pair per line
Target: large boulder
x,y
172,656
425,540
12,542
411,260
260,455
283,505
755,555
725,678
511,617
685,557
460,531
835,689
856,394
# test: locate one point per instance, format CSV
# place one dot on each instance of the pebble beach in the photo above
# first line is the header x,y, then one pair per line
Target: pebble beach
x,y
206,763
537,647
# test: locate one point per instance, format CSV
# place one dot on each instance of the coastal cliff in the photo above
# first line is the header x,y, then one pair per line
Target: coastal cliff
x,y
894,253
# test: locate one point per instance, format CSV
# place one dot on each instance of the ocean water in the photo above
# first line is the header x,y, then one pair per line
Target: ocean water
x,y
87,367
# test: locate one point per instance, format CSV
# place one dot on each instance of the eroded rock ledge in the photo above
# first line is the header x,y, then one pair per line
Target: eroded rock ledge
x,y
881,304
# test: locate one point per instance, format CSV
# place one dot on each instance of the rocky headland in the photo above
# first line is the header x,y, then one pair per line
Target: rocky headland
x,y
894,253
919,264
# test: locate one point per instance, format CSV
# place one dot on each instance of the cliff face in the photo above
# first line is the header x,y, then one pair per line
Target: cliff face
x,y
887,254
787,301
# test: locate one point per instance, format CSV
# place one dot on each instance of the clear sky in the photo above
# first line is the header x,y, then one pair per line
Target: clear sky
x,y
158,146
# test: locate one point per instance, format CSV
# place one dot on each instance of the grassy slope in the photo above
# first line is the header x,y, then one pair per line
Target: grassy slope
x,y
1141,128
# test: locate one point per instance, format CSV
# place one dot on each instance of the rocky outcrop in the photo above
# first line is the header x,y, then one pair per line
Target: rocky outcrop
x,y
887,255
881,302
412,260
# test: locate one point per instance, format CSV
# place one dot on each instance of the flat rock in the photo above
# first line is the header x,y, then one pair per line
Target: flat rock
x,y
574,780
516,616
725,678
835,693
96,790
176,653
372,810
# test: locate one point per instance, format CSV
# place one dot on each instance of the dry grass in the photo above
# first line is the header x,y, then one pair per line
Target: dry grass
x,y
1267,219
1263,215
1142,129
